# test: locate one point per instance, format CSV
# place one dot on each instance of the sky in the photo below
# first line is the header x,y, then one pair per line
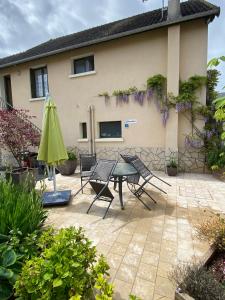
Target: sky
x,y
26,23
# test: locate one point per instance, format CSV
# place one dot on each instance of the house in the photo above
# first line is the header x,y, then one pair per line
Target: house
x,y
76,69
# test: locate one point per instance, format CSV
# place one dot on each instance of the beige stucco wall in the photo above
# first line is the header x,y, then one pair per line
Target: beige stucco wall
x,y
119,64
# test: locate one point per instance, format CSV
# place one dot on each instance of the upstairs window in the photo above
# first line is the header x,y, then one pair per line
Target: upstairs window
x,y
83,127
110,129
84,64
39,82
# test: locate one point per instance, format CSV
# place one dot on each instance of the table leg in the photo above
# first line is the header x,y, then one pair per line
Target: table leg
x,y
121,191
115,183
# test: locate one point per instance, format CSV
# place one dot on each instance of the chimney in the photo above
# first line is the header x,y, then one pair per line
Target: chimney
x,y
173,9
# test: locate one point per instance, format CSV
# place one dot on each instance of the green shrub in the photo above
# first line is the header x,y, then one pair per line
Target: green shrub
x,y
68,268
19,209
14,251
198,283
212,229
71,152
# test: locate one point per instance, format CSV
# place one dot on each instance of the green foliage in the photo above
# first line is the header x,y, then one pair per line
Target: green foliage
x,y
104,94
212,81
10,266
214,62
212,229
216,158
198,282
20,209
133,297
14,251
172,163
68,268
158,84
188,88
71,152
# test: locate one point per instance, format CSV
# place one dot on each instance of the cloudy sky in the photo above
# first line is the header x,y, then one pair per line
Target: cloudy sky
x,y
25,23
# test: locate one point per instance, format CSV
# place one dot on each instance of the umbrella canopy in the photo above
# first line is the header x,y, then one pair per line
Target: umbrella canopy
x,y
52,149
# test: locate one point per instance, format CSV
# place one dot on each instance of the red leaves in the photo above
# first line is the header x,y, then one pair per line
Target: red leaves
x,y
17,132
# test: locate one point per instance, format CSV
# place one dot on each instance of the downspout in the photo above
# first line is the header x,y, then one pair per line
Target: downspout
x,y
92,129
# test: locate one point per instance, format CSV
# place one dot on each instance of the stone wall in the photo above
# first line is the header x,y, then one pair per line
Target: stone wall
x,y
190,160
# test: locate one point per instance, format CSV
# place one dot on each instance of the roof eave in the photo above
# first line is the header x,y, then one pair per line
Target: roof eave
x,y
211,13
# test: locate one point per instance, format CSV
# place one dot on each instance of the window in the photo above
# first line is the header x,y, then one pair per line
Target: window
x,y
83,127
110,129
84,64
39,82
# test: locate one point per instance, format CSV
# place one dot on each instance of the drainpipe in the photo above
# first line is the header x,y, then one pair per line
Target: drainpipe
x,y
173,9
92,129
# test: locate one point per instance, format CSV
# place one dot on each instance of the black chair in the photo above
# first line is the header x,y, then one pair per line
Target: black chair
x,y
99,181
133,181
87,163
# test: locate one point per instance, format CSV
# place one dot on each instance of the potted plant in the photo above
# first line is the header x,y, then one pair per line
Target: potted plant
x,y
69,166
172,168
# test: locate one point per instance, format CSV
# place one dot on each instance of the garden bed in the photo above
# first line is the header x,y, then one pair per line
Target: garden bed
x,y
204,280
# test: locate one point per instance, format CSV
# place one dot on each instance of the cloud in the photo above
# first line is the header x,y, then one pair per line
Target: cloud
x,y
26,23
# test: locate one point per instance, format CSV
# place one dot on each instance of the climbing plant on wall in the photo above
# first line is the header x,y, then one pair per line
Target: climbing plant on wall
x,y
156,88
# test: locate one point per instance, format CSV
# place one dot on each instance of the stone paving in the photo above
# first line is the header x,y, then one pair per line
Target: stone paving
x,y
143,246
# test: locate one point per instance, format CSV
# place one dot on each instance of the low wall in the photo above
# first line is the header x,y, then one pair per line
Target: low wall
x,y
190,160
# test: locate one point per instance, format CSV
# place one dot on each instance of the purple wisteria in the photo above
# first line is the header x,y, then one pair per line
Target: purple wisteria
x,y
149,94
139,96
165,115
183,106
193,142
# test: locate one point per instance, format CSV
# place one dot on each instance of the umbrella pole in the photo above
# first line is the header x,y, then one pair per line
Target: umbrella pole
x,y
54,178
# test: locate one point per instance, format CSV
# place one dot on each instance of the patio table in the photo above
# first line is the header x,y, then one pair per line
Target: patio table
x,y
121,171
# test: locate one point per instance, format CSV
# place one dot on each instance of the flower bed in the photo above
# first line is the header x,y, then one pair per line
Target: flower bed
x,y
206,280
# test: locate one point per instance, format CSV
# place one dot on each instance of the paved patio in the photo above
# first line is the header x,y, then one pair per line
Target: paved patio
x,y
142,246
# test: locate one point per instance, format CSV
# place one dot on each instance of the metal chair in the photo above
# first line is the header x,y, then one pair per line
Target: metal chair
x,y
99,182
87,163
133,181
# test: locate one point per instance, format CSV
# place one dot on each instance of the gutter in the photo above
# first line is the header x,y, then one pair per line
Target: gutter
x,y
212,13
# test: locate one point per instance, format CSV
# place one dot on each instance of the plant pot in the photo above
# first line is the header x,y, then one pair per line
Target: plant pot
x,y
171,171
22,176
68,167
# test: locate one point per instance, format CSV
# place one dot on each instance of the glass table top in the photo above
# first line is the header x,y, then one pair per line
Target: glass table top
x,y
124,169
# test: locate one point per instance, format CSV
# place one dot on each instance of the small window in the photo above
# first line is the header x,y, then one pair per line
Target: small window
x,y
85,64
110,129
39,82
83,130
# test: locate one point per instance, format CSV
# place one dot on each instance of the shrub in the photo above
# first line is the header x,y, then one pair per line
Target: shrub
x,y
19,209
213,231
198,283
71,152
14,250
68,268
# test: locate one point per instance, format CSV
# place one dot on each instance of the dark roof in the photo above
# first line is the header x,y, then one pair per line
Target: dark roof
x,y
192,9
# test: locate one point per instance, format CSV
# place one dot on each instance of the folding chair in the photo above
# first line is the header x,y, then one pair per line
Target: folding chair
x,y
133,181
99,181
87,163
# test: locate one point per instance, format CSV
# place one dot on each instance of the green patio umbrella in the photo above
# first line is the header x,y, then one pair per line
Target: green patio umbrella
x,y
52,149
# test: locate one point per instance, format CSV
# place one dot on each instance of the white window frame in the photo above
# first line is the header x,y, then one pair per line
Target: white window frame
x,y
72,59
34,68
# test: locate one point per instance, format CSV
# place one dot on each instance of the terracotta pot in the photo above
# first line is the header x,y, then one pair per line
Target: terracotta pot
x,y
68,167
171,171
